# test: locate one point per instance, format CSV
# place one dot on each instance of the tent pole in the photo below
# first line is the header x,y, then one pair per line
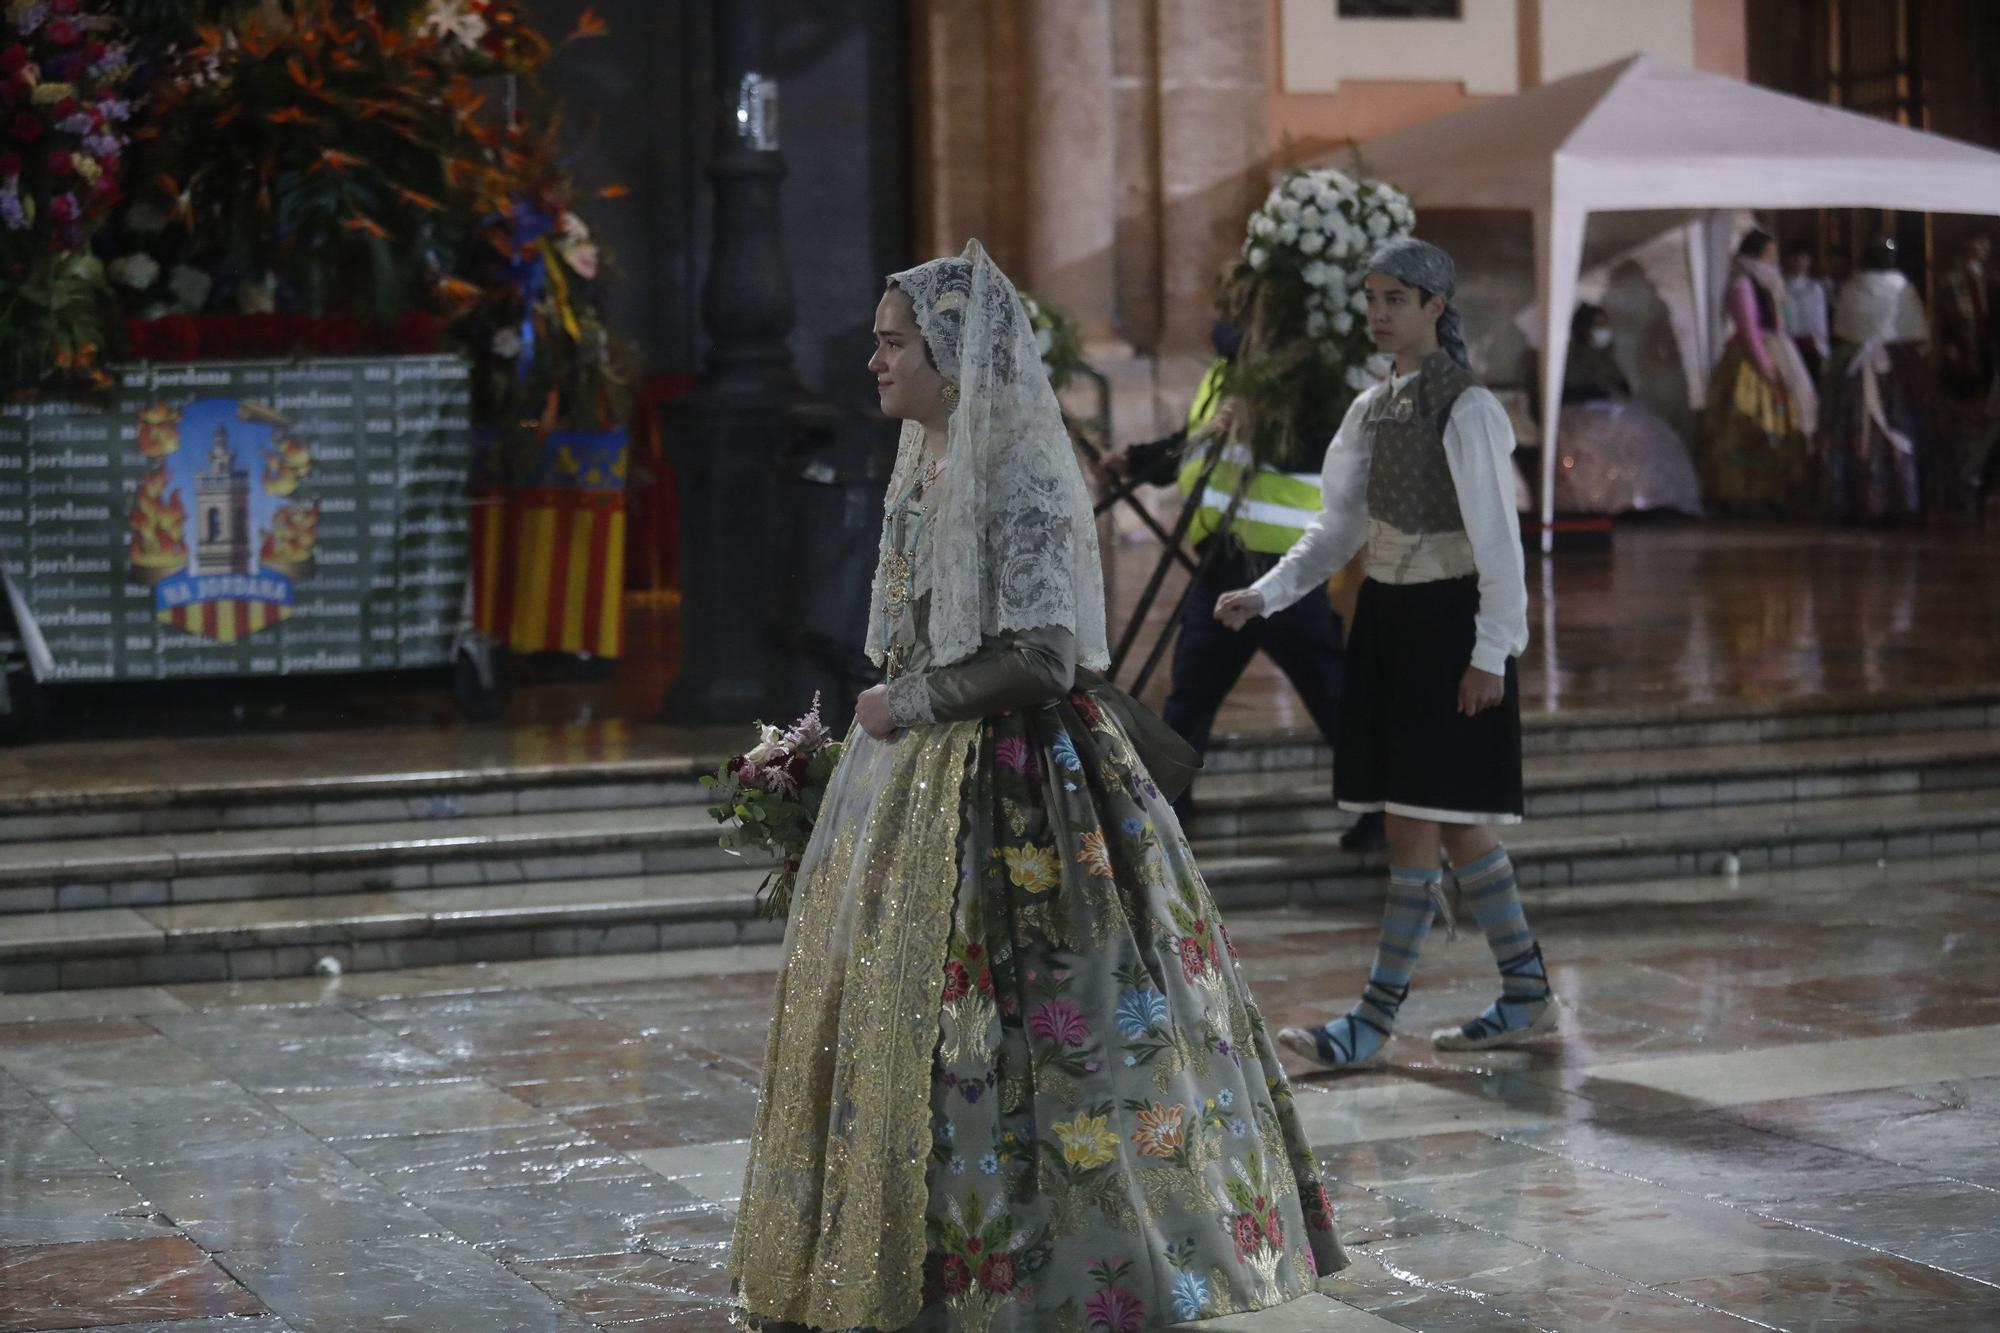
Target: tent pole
x,y
1558,256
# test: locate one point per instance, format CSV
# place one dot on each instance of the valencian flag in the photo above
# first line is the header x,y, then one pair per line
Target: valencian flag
x,y
548,552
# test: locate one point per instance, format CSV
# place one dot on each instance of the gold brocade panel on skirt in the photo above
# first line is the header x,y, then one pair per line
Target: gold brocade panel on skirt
x,y
830,1232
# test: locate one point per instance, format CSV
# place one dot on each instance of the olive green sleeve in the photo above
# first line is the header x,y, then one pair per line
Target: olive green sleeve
x,y
1013,670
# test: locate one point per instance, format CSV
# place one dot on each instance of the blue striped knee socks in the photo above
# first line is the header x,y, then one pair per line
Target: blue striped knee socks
x,y
1360,1034
1489,887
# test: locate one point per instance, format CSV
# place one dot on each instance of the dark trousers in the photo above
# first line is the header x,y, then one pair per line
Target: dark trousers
x,y
1304,640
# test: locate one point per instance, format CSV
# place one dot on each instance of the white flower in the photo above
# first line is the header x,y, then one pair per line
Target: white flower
x,y
1287,210
1045,341
1312,242
190,286
1316,274
1343,321
1258,257
453,19
1310,218
1262,227
1288,233
1359,301
506,344
136,270
1326,197
1315,324
1299,187
1378,225
1357,378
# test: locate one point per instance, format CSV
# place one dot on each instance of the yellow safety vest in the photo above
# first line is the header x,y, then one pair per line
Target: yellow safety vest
x,y
1273,513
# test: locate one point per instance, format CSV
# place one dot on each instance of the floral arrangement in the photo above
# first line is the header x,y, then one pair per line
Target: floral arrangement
x,y
61,74
1297,293
771,794
340,176
1056,338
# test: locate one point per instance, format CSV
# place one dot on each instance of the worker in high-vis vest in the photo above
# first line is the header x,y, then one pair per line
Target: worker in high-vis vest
x,y
1305,639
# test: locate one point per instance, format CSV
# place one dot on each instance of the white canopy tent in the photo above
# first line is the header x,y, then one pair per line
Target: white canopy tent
x,y
1647,134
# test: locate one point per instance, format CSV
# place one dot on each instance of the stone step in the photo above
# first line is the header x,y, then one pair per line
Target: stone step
x,y
412,927
306,781
1683,727
1263,801
241,864
659,836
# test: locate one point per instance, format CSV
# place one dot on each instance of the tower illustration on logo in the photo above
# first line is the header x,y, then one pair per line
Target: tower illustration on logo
x,y
222,499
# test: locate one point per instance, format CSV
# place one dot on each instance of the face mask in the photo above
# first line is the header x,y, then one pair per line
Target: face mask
x,y
1225,338
1600,337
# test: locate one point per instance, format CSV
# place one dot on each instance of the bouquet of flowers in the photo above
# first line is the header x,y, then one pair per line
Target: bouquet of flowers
x,y
1297,293
771,795
62,67
1056,338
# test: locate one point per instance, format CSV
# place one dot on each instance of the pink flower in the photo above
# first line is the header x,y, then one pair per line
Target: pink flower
x,y
64,208
955,981
1012,755
1274,1231
1059,1021
1115,1310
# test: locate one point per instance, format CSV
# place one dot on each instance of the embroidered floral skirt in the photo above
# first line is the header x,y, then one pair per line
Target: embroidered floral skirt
x,y
1111,1142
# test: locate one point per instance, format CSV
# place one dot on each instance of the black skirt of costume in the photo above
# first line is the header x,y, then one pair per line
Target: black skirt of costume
x,y
1403,745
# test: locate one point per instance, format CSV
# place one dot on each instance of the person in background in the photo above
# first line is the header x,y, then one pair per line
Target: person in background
x,y
1968,326
1306,640
1877,420
1807,301
1762,407
1430,726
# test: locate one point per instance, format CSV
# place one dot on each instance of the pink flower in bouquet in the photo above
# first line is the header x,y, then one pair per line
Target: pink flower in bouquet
x,y
64,208
777,779
809,733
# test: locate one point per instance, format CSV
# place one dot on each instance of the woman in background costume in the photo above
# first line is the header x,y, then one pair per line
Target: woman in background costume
x,y
1762,407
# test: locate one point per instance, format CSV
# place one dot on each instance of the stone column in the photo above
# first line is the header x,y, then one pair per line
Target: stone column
x,y
1214,98
1071,192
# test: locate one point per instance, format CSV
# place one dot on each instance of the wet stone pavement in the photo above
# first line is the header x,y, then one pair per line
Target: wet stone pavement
x,y
1777,1105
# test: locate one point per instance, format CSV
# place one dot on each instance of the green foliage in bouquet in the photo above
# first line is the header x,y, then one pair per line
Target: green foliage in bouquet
x,y
770,797
1056,337
1296,292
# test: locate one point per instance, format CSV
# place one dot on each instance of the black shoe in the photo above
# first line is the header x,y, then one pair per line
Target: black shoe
x,y
1365,835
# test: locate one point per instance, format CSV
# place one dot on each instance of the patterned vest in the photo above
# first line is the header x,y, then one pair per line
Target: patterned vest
x,y
1409,479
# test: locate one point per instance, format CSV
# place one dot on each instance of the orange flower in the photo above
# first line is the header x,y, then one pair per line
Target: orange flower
x,y
364,224
289,115
336,159
1095,857
1159,1133
588,24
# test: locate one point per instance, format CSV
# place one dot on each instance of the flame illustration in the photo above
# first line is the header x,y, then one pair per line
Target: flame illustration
x,y
293,533
286,463
158,525
159,430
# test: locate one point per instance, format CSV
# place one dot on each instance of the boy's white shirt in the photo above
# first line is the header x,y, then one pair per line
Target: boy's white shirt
x,y
1479,448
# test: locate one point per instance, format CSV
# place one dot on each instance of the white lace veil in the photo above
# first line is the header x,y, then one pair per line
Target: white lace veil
x,y
1011,543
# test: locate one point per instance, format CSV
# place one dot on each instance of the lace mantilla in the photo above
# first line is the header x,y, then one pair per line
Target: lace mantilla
x,y
1012,542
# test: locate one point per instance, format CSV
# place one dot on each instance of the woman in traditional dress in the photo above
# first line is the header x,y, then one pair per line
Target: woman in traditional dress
x,y
1619,455
1762,407
1014,1079
1878,417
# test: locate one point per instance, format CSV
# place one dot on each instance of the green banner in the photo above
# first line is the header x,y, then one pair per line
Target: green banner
x,y
244,518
